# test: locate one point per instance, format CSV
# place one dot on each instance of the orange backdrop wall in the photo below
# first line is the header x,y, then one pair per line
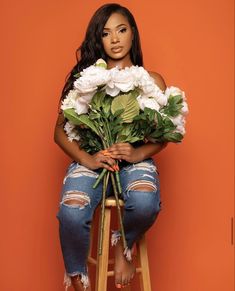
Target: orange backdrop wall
x,y
190,43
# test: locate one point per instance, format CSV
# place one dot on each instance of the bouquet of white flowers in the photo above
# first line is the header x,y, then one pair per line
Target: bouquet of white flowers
x,y
108,106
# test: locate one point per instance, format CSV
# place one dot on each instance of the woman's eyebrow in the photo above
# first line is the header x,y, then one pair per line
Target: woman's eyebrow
x,y
116,26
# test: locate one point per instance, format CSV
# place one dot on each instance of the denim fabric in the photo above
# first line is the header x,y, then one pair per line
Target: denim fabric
x,y
140,210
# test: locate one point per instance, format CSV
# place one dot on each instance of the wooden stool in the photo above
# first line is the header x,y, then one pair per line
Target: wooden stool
x,y
102,261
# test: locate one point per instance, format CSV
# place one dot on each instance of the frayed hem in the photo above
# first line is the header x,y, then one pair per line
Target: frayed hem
x,y
68,282
116,235
128,254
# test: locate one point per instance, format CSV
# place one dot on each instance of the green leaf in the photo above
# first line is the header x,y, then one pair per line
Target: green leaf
x,y
116,129
129,104
130,139
118,112
168,122
97,100
173,106
71,115
156,134
94,115
173,136
159,120
107,105
84,119
77,75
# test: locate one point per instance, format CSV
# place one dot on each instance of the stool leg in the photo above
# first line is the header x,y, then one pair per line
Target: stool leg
x,y
102,265
145,283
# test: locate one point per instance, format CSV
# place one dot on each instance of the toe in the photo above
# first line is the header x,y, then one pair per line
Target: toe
x,y
118,279
124,282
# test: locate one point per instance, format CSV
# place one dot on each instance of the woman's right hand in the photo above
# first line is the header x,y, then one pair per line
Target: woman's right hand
x,y
93,162
99,160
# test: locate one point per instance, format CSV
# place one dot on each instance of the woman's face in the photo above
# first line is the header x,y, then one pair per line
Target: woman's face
x,y
117,37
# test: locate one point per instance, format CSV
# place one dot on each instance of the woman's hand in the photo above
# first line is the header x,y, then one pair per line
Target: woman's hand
x,y
100,160
124,151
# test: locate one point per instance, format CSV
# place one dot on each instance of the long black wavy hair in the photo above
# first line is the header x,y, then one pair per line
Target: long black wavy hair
x,y
92,49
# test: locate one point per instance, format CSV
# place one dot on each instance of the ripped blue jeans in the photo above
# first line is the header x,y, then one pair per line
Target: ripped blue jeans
x,y
140,211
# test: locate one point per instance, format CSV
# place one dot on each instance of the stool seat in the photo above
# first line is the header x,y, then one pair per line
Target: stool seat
x,y
102,261
111,202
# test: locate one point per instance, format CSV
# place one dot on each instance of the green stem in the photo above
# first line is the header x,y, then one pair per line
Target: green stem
x,y
119,210
104,189
119,187
107,131
100,177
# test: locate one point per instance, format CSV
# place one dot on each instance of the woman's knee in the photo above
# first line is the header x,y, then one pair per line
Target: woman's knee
x,y
74,209
145,201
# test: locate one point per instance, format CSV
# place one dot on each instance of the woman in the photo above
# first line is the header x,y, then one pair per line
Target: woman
x,y
112,35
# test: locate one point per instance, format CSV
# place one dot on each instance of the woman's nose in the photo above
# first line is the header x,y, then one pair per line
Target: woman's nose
x,y
114,38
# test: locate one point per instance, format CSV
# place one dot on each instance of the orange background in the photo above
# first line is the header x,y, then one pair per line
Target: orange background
x,y
190,43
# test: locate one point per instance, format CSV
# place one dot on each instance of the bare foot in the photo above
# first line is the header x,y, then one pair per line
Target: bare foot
x,y
77,284
124,270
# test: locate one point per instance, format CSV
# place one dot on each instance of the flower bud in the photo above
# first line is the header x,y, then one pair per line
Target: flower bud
x,y
101,63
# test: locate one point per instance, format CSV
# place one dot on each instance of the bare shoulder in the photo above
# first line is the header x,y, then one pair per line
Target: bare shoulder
x,y
158,80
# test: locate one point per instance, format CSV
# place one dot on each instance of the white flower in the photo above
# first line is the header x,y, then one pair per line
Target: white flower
x,y
180,129
79,102
70,100
91,78
148,102
121,80
137,73
82,103
147,85
179,121
174,91
71,131
184,109
159,96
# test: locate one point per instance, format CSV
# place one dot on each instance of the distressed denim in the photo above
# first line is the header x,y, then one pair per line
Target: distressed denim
x,y
140,211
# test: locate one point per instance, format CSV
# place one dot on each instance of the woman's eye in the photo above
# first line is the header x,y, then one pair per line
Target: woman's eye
x,y
104,34
122,30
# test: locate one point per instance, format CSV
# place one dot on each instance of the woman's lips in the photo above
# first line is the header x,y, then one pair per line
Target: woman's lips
x,y
117,49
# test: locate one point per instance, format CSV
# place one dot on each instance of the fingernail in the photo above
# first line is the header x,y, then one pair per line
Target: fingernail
x,y
117,167
119,286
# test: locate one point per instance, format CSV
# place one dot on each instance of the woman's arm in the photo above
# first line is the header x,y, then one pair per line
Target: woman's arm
x,y
72,149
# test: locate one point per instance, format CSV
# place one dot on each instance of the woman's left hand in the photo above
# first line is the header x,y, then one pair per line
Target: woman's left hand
x,y
124,151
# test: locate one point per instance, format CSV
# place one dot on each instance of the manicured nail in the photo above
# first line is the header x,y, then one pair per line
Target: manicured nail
x,y
117,168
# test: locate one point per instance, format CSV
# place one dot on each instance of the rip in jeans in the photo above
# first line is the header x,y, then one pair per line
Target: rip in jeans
x,y
80,171
75,199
